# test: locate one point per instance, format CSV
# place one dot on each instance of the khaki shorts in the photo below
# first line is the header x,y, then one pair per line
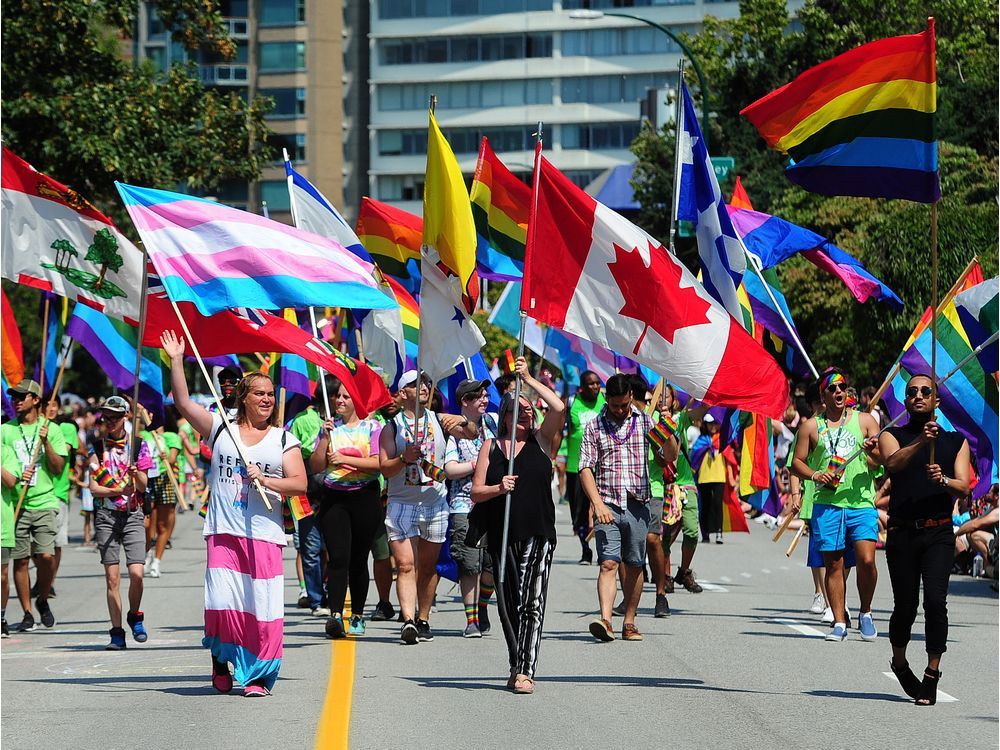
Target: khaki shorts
x,y
35,533
5,555
62,526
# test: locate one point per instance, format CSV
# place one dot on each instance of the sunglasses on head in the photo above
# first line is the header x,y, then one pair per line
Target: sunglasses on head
x,y
923,390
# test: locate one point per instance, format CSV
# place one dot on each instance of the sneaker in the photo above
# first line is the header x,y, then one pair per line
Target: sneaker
x,y
147,562
154,569
630,632
135,621
357,626
668,585
686,579
472,631
838,633
424,631
303,602
718,539
484,621
848,613
408,633
620,609
335,626
866,624
662,608
255,691
827,616
117,640
27,623
818,605
48,619
587,556
4,630
383,612
320,611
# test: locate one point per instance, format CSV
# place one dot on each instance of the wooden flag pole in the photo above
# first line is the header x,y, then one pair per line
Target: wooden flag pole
x,y
795,540
784,527
234,434
133,452
162,448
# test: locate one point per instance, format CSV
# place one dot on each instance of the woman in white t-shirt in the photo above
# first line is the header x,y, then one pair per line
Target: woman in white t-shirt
x,y
244,580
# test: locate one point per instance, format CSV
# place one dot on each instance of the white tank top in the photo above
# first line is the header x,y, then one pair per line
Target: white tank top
x,y
413,484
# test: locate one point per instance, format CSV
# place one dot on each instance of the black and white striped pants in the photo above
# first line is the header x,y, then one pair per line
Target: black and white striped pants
x,y
521,600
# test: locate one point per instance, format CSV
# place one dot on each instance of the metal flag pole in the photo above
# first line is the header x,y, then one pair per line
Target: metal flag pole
x,y
678,120
517,385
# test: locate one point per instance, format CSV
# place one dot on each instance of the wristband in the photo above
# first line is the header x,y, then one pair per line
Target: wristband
x,y
813,477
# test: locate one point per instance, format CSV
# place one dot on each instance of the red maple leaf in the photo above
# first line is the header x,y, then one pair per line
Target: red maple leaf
x,y
654,295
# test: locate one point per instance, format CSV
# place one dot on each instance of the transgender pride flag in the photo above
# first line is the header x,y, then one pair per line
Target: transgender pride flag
x,y
220,258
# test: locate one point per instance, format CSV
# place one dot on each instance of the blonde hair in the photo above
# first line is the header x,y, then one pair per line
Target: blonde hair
x,y
243,390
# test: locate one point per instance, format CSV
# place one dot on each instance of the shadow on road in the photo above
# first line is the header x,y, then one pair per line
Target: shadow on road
x,y
480,683
865,696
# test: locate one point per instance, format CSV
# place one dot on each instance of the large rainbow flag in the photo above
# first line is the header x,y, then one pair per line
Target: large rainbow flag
x,y
392,236
862,123
409,312
500,207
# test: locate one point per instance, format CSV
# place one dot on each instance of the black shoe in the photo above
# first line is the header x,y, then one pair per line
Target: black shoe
x,y
668,584
408,633
484,620
686,579
620,609
383,612
587,556
4,630
662,608
705,538
52,592
335,626
424,631
303,602
48,619
27,623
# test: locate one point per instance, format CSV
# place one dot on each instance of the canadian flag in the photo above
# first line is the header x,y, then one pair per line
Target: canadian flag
x,y
593,273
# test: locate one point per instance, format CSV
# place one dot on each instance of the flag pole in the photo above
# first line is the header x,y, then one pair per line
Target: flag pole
x,y
420,373
678,117
755,264
45,341
517,383
133,452
934,317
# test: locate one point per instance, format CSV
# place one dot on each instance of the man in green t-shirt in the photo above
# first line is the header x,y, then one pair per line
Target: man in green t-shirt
x,y
61,483
583,407
35,528
10,472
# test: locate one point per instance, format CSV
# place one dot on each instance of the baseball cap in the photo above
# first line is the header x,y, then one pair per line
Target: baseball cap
x,y
27,386
708,418
470,386
114,405
409,377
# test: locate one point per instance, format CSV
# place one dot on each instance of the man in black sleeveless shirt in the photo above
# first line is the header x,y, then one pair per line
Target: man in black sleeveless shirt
x,y
920,544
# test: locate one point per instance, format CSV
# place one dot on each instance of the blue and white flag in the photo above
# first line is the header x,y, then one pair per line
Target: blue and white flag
x,y
700,201
381,330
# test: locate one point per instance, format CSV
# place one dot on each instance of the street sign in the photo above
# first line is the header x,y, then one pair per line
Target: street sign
x,y
723,165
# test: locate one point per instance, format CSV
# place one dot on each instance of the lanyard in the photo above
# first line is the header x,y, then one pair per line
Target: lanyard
x,y
614,433
30,449
409,433
840,430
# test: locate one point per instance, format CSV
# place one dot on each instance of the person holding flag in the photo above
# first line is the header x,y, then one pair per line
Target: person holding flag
x,y
117,484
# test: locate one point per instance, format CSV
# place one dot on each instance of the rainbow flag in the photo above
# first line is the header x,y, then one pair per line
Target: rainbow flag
x,y
219,257
295,373
10,344
392,236
500,207
299,506
58,316
862,123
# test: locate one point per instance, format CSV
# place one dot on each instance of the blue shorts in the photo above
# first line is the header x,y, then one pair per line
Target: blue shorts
x,y
839,528
816,557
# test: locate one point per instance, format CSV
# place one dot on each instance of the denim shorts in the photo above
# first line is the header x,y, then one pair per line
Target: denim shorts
x,y
624,539
839,528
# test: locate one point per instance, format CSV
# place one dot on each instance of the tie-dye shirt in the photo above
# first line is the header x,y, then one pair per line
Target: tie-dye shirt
x,y
360,440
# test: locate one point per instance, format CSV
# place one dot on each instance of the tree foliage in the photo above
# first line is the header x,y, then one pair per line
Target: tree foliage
x,y
746,58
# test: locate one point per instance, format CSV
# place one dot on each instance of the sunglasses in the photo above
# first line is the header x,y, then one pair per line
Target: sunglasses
x,y
834,387
923,390
18,395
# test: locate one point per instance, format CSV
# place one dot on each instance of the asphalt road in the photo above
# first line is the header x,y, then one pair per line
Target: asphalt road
x,y
742,665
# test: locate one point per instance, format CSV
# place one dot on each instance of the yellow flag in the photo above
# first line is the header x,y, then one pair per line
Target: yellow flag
x,y
448,224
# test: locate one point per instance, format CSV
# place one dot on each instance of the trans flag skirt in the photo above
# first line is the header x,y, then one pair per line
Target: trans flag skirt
x,y
244,606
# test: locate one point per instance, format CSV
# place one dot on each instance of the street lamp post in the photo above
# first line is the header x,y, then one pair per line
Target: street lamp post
x,y
588,15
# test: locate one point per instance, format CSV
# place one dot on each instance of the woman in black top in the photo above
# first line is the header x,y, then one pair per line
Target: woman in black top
x,y
531,537
920,543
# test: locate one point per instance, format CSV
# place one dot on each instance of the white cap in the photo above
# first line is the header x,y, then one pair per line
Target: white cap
x,y
408,378
708,417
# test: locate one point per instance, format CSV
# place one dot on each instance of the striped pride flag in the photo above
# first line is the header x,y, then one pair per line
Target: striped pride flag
x,y
222,258
862,123
409,312
392,237
10,344
500,207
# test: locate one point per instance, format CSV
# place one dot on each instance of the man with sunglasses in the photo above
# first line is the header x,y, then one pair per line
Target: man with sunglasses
x,y
36,527
844,512
920,542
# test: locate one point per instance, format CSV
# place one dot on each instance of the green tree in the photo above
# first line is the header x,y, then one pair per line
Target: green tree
x,y
77,109
64,247
104,251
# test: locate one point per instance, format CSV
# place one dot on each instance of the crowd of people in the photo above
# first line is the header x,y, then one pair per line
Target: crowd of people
x,y
391,495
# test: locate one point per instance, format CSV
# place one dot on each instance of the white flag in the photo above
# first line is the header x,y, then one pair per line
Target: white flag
x,y
447,333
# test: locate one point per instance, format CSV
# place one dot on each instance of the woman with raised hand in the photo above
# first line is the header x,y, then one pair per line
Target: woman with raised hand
x,y
244,581
531,538
350,511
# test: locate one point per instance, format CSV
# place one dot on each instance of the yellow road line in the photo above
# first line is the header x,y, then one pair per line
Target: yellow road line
x,y
334,729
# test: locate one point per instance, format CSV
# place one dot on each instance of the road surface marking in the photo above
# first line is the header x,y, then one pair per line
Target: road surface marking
x,y
765,570
746,575
798,627
334,729
942,696
708,586
725,579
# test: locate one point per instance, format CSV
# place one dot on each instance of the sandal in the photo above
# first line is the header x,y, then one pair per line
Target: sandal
x,y
524,685
928,688
907,680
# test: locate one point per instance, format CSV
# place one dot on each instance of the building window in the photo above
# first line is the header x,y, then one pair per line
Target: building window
x,y
282,12
583,177
608,42
610,89
441,8
465,49
465,95
612,4
275,194
462,140
282,56
294,143
598,136
401,187
288,103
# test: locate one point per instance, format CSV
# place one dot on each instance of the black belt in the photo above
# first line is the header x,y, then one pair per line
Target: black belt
x,y
919,523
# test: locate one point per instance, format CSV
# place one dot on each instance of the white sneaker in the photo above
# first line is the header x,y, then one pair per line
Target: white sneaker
x,y
818,605
154,569
147,563
321,612
828,616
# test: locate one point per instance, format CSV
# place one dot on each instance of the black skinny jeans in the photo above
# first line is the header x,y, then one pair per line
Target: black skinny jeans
x,y
912,555
349,521
710,509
